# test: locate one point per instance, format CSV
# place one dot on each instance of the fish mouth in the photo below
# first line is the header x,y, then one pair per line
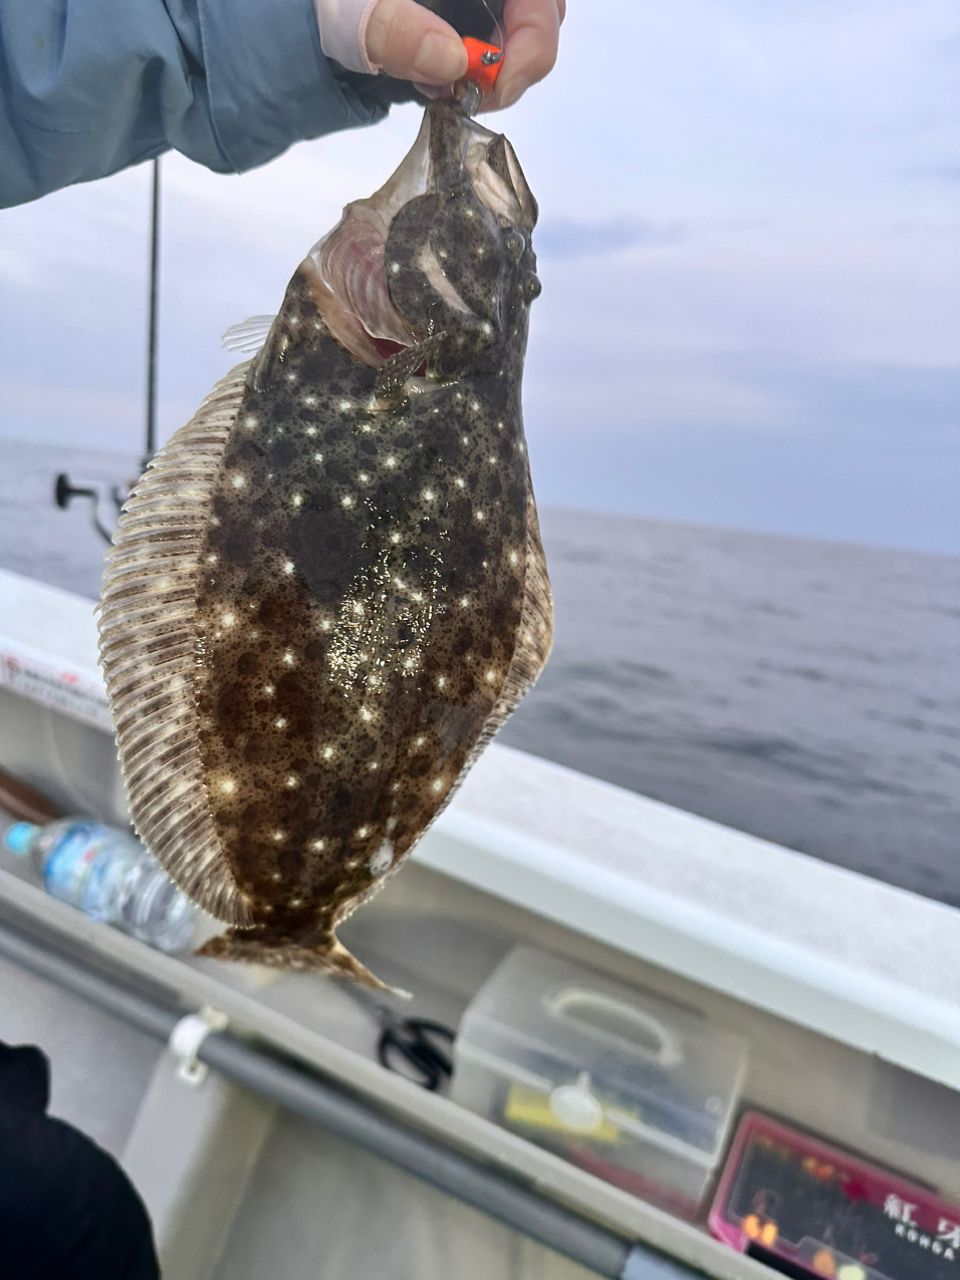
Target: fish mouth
x,y
351,274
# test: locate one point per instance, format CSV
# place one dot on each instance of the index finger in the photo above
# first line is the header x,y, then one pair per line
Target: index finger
x,y
532,37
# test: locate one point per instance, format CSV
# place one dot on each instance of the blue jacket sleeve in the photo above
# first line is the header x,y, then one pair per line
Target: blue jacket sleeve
x,y
88,87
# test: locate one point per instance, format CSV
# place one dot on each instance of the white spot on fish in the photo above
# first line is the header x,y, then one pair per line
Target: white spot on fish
x,y
318,457
347,500
327,753
309,401
390,461
394,538
513,558
296,501
212,558
436,784
394,268
464,602
460,482
229,619
366,714
490,677
381,861
228,786
362,832
310,431
288,566
318,846
428,495
250,421
278,837
480,516
288,658
280,722
344,405
291,376
292,781
238,480
441,682
269,690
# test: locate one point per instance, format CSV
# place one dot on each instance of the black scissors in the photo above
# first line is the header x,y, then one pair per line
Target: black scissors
x,y
418,1049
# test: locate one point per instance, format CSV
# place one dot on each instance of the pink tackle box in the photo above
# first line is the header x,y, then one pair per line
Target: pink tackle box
x,y
812,1210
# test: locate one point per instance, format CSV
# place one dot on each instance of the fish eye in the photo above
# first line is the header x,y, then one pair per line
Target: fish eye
x,y
532,288
514,243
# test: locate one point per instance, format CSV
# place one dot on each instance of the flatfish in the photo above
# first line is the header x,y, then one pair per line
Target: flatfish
x,y
328,591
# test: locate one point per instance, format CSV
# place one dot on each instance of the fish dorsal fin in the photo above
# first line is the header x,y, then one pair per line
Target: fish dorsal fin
x,y
248,336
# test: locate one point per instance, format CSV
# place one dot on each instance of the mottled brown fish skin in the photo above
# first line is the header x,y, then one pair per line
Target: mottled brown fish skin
x,y
372,557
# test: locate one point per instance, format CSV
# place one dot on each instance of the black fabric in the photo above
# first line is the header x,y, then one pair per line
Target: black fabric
x,y
67,1210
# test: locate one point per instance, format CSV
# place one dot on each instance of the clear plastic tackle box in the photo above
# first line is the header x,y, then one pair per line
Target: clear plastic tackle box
x,y
626,1084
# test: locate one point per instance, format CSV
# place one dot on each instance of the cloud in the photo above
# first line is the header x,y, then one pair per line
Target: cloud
x,y
943,171
561,237
865,461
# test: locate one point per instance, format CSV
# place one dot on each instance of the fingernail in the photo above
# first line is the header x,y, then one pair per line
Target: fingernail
x,y
508,91
440,58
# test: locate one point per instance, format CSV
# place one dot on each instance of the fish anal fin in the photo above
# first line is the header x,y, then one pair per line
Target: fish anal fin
x,y
148,601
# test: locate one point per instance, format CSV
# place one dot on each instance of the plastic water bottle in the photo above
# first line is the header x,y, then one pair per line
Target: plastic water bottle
x,y
109,876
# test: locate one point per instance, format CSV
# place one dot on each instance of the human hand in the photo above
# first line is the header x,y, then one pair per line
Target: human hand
x,y
409,42
532,35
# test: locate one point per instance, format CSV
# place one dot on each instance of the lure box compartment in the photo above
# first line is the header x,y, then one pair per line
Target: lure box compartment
x,y
809,1209
629,1086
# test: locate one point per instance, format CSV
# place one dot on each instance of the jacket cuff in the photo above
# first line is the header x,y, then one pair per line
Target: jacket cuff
x,y
269,82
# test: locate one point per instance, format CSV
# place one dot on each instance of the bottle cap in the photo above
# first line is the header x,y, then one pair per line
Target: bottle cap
x,y
18,837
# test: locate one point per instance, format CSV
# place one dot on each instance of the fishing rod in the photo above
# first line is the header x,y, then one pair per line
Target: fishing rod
x,y
64,491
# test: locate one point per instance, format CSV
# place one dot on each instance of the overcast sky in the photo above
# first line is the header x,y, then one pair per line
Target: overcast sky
x,y
749,246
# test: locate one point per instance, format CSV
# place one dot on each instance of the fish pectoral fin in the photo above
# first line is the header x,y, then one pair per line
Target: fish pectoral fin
x,y
397,369
248,336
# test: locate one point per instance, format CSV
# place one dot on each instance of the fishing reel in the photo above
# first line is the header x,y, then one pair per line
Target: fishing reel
x,y
111,496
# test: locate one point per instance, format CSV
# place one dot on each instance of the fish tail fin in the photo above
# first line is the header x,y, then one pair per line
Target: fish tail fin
x,y
328,955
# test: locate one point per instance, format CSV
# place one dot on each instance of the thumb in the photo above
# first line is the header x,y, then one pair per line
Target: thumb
x,y
409,42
